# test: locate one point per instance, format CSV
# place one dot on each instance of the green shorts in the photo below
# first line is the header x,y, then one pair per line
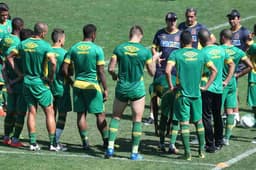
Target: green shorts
x,y
16,103
166,105
63,102
187,108
126,91
251,95
37,94
88,100
229,97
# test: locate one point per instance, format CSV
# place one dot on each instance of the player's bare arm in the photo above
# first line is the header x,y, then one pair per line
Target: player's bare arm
x,y
111,67
214,71
101,73
231,69
168,70
248,68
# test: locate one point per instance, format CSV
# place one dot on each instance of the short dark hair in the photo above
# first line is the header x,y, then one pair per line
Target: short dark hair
x,y
136,29
88,30
26,33
203,35
4,6
185,37
39,28
191,9
56,34
17,23
227,33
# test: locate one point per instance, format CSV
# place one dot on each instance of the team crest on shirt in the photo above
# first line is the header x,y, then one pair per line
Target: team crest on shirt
x,y
230,52
163,37
7,42
190,54
83,47
131,49
193,31
31,45
214,52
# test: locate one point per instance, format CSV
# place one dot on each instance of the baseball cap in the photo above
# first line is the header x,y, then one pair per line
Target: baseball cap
x,y
171,15
234,13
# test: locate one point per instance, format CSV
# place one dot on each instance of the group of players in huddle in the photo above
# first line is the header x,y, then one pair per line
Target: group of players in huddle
x,y
193,85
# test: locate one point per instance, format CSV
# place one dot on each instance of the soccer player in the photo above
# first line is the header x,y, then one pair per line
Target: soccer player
x,y
213,95
193,27
16,108
166,40
189,63
251,93
240,38
60,87
5,29
34,53
88,97
131,58
229,101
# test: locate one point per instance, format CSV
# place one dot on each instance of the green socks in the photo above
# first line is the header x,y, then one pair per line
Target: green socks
x,y
136,135
174,132
229,125
201,135
113,128
185,137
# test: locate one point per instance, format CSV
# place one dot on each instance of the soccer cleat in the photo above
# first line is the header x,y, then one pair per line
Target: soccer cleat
x,y
226,142
62,147
86,145
148,121
7,141
188,156
201,155
16,144
34,147
254,141
2,112
173,151
162,147
54,148
136,157
109,153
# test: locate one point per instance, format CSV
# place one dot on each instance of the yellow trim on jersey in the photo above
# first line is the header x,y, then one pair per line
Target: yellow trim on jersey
x,y
204,79
149,61
154,46
50,54
209,64
250,42
1,83
67,60
136,133
100,62
191,25
15,51
244,57
45,67
228,61
173,32
114,56
171,62
86,85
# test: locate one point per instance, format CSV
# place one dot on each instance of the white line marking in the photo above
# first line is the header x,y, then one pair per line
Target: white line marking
x,y
60,154
227,24
235,160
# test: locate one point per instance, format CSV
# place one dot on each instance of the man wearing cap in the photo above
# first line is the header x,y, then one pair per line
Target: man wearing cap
x,y
166,40
241,38
193,27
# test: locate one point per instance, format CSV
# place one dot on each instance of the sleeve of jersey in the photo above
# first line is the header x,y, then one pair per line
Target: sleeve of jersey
x,y
68,57
100,57
252,50
149,57
171,59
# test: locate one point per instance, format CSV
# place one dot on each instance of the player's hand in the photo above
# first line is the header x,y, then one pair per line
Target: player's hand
x,y
105,95
224,83
203,88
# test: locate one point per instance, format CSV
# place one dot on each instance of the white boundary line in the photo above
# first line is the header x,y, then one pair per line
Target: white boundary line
x,y
114,158
232,161
227,24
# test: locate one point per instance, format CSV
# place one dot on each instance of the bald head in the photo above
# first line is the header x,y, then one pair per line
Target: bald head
x,y
40,28
204,36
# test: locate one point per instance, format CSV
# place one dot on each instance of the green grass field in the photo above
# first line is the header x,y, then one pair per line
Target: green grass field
x,y
113,19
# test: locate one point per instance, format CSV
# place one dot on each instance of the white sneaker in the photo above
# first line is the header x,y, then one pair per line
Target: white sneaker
x,y
226,142
62,147
254,141
54,148
34,147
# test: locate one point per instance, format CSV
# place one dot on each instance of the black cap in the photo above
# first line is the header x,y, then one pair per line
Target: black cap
x,y
171,15
234,13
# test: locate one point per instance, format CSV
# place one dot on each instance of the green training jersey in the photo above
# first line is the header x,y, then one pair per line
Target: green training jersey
x,y
5,29
34,54
85,57
218,56
131,59
189,64
58,82
252,54
236,55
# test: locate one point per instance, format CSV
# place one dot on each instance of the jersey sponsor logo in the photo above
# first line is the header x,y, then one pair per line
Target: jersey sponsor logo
x,y
131,50
29,47
171,44
83,47
194,38
190,54
230,52
7,42
214,52
236,42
